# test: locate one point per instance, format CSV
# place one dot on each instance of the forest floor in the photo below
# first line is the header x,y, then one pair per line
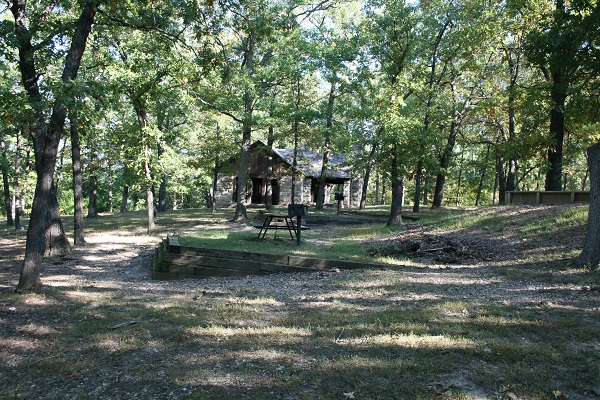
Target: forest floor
x,y
485,311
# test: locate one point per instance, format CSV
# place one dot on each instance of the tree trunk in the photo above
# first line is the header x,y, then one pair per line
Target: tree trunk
x,y
501,177
591,248
162,194
93,197
45,137
269,187
557,132
162,189
125,199
397,190
328,133
215,180
78,228
426,190
367,177
149,191
150,200
418,179
513,67
240,208
6,184
295,129
438,195
16,203
57,243
482,178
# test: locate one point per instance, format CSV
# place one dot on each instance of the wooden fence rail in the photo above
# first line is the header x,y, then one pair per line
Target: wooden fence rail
x,y
545,197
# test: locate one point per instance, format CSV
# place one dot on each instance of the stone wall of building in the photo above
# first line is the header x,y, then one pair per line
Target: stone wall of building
x,y
224,193
352,191
302,193
355,190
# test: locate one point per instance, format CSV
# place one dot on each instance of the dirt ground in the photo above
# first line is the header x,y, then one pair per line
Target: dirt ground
x,y
120,261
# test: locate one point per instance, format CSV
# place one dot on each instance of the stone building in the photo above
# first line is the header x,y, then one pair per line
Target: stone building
x,y
339,178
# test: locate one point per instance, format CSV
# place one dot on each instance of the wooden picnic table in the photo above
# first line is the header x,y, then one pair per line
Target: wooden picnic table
x,y
277,222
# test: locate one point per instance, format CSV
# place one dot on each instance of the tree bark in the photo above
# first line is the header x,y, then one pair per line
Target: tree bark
x,y
45,136
162,189
215,180
162,194
482,177
93,197
269,187
57,243
16,203
590,255
557,132
418,180
78,226
6,184
240,208
440,182
367,177
326,151
125,199
397,190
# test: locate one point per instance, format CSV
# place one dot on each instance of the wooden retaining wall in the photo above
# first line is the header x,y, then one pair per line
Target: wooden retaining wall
x,y
171,261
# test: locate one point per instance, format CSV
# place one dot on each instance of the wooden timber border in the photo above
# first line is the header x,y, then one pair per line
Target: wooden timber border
x,y
172,261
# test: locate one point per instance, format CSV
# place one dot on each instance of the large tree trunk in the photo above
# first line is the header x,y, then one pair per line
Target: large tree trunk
x,y
367,177
397,190
591,248
78,229
125,199
501,178
557,132
440,182
6,184
513,68
269,187
215,180
162,194
93,197
142,119
16,202
162,189
328,133
482,178
57,243
418,180
240,208
45,137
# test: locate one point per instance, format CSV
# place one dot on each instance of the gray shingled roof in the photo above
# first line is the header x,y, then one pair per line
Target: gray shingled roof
x,y
310,163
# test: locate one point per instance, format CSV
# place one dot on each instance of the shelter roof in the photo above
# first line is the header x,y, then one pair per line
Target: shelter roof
x,y
310,163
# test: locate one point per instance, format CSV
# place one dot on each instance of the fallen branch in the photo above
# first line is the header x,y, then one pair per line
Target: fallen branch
x,y
123,324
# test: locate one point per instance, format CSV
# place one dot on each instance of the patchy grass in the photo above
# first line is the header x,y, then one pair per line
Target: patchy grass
x,y
525,330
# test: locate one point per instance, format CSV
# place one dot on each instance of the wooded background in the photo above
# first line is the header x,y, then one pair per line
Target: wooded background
x,y
455,102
